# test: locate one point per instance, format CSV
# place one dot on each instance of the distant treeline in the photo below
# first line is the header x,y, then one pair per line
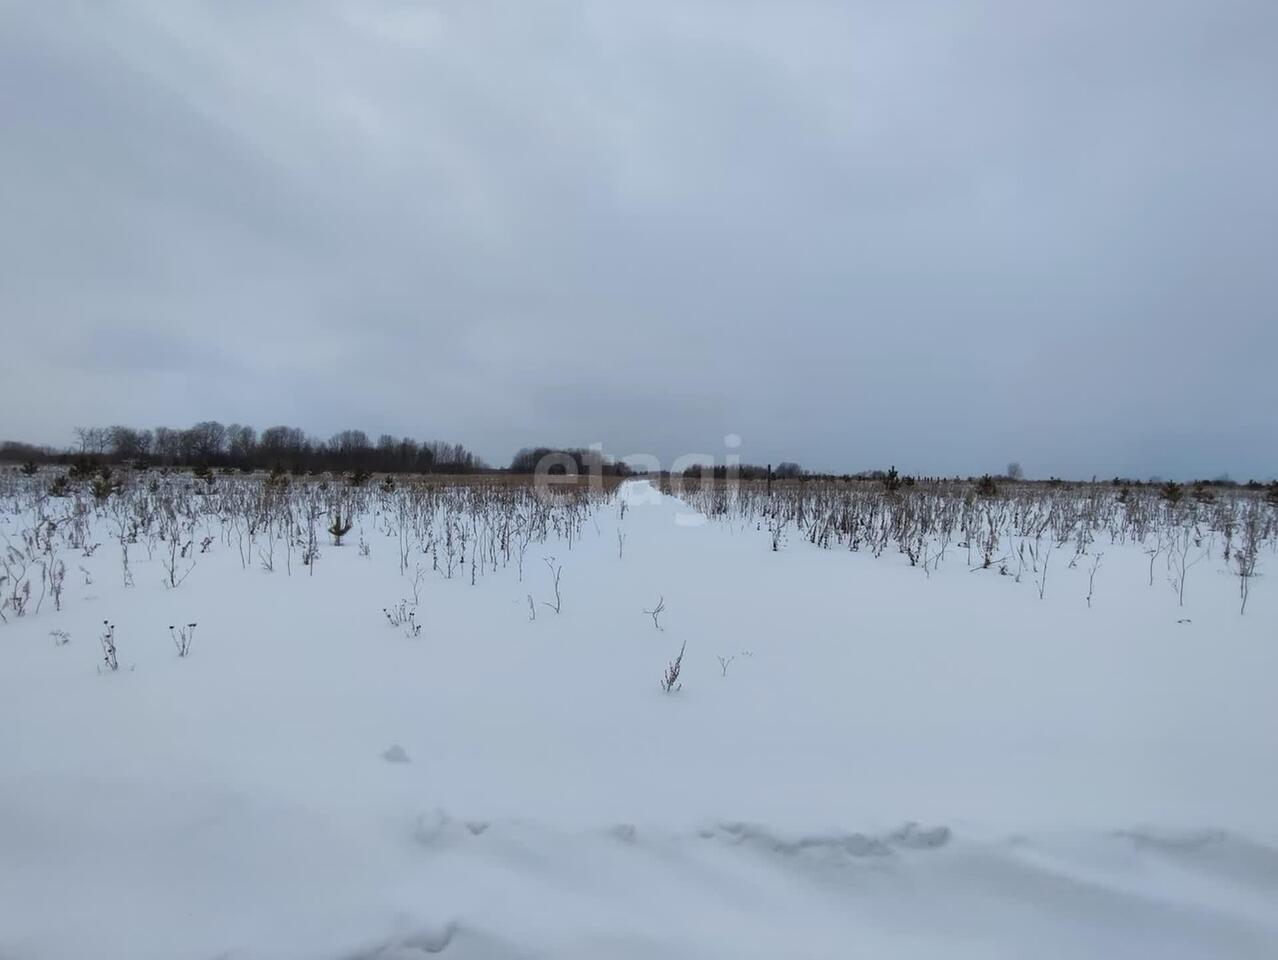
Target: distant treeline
x,y
565,460
212,444
892,480
235,446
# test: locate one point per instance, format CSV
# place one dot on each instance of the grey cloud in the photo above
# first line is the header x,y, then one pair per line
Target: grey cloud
x,y
936,234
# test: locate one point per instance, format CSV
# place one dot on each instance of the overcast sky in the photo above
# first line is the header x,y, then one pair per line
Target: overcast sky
x,y
943,235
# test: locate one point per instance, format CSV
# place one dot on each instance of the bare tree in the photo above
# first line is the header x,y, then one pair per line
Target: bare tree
x,y
1246,554
1179,564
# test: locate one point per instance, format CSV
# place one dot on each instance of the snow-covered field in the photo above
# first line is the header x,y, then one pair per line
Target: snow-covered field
x,y
891,764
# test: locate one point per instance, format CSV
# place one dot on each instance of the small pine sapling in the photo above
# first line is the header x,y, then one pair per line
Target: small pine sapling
x,y
339,528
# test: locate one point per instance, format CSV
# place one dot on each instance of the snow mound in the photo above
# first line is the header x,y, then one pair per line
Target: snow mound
x,y
910,836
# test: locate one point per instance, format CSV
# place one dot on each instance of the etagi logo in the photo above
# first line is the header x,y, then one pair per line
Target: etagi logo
x,y
571,469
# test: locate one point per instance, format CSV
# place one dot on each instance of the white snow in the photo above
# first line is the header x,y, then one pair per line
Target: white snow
x,y
892,765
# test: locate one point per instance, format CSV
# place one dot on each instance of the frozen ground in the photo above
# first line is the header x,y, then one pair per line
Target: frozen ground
x,y
892,766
